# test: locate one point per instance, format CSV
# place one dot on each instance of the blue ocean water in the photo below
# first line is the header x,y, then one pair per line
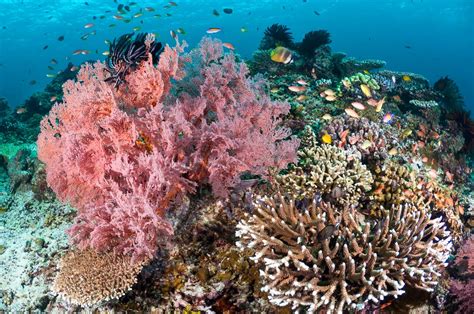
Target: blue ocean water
x,y
431,37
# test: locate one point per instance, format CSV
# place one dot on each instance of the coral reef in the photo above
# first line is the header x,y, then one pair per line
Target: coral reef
x,y
320,257
191,194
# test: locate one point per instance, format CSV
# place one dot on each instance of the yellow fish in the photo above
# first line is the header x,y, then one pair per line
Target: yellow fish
x,y
327,116
326,139
407,133
329,92
380,104
393,152
274,90
331,98
366,90
281,55
406,78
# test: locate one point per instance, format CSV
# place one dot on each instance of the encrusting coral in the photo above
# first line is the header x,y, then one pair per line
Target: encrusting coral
x,y
88,277
318,256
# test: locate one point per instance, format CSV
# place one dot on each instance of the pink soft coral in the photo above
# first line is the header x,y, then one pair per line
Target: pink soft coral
x,y
123,156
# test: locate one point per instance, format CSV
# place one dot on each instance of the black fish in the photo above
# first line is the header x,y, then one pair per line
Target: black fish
x,y
228,10
86,3
408,47
326,233
316,12
33,82
45,47
61,38
215,12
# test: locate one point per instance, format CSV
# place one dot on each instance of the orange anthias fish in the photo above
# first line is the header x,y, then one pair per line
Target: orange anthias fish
x,y
297,89
351,112
302,82
213,30
228,46
358,105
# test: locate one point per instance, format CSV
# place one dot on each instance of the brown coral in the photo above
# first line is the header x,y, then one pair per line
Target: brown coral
x,y
327,170
322,257
87,277
393,184
350,133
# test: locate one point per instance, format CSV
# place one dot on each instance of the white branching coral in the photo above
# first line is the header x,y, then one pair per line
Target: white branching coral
x,y
320,257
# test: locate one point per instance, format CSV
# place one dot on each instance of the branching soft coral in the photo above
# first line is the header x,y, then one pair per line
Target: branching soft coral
x,y
124,155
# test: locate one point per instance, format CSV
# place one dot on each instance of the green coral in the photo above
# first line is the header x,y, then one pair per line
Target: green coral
x,y
358,78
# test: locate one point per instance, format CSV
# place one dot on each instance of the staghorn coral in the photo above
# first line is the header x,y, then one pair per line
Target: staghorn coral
x,y
321,257
350,133
393,184
327,170
398,183
88,277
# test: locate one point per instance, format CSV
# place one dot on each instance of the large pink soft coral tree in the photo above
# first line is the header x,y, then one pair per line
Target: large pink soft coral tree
x,y
123,155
